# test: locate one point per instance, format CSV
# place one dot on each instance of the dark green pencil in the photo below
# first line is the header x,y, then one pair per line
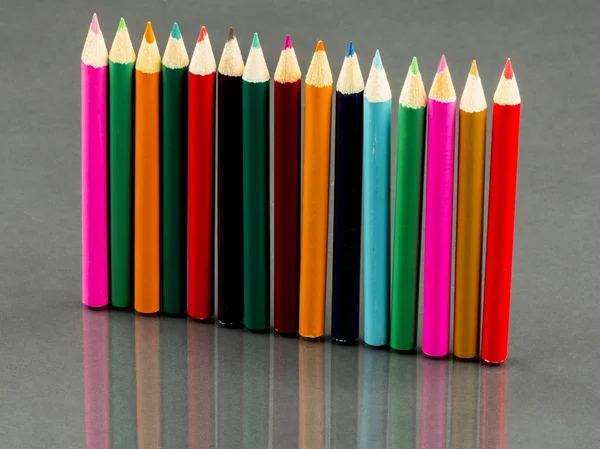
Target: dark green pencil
x,y
255,133
121,66
407,222
174,179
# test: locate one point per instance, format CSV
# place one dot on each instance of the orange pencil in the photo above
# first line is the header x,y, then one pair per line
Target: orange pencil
x,y
315,195
147,176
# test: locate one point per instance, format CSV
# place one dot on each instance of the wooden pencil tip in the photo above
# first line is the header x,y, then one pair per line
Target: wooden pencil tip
x,y
474,70
149,34
202,34
443,65
508,70
288,43
320,46
95,26
231,35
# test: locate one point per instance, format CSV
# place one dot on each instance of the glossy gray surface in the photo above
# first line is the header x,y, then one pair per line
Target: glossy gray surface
x,y
165,382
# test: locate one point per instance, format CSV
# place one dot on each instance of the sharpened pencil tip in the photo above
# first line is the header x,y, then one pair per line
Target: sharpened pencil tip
x,y
175,32
288,43
122,24
255,41
149,34
474,70
350,51
231,35
508,70
202,34
320,46
95,26
377,61
414,66
443,65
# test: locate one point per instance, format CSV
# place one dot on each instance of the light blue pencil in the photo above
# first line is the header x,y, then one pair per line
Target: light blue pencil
x,y
376,204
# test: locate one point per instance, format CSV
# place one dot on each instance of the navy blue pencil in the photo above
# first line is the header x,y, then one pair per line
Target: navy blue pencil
x,y
348,201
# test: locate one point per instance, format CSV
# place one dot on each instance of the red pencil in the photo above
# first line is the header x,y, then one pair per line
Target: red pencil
x,y
501,218
288,88
201,146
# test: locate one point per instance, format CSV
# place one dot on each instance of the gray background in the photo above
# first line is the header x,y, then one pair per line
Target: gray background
x,y
553,375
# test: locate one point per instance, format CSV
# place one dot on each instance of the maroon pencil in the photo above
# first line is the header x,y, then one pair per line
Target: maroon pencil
x,y
287,189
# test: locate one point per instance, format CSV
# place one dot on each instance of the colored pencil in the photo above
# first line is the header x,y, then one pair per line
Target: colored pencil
x,y
469,216
347,200
441,118
407,219
147,381
147,176
94,188
501,218
373,430
434,403
287,121
230,196
315,195
376,212
96,379
311,395
173,179
256,135
201,149
121,67
201,382
492,407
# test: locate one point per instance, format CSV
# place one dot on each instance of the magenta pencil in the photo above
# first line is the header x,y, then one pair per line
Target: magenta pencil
x,y
96,379
94,220
441,117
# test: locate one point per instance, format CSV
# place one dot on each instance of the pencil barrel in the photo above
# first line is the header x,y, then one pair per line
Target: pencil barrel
x,y
469,228
347,217
407,228
173,188
315,209
201,148
94,188
256,134
147,193
376,219
286,269
438,227
230,202
121,96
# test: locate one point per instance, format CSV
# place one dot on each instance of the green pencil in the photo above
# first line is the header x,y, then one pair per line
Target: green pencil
x,y
174,180
121,67
407,222
255,133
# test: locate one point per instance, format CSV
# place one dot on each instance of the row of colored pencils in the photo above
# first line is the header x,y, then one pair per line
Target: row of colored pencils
x,y
169,152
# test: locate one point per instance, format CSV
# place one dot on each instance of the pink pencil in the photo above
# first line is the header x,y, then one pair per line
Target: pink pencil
x,y
441,117
96,379
94,220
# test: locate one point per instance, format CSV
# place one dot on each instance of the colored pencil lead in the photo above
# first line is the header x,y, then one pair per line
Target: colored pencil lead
x,y
231,34
255,41
95,26
175,33
474,70
508,70
443,65
202,34
414,66
288,43
350,51
320,46
122,24
149,34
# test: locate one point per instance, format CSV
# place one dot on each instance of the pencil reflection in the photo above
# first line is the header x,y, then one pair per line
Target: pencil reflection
x,y
463,405
123,414
493,407
402,396
173,382
96,378
311,391
147,379
200,354
229,388
285,392
344,396
434,401
374,397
